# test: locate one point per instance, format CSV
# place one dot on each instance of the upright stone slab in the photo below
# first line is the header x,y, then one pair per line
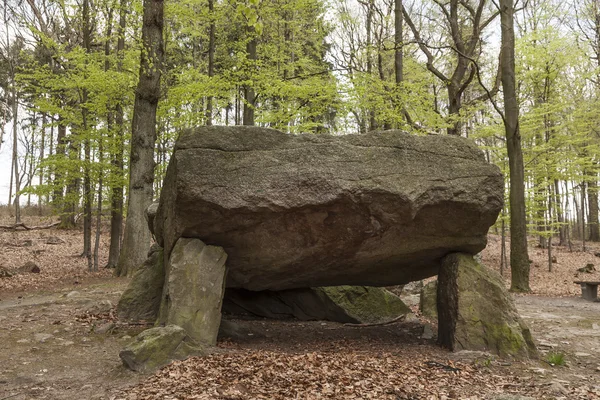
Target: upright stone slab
x,y
476,312
141,300
194,288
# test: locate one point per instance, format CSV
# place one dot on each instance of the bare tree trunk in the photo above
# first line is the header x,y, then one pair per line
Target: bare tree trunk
x,y
137,236
61,142
42,146
15,155
211,58
592,198
519,257
116,213
503,248
583,216
560,214
249,94
87,183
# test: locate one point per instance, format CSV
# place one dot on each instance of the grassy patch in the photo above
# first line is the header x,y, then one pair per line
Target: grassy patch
x,y
555,358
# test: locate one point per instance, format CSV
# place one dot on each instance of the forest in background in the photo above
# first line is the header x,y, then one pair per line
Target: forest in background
x,y
69,69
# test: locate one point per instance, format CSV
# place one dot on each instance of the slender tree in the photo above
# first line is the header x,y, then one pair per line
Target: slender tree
x,y
141,169
519,257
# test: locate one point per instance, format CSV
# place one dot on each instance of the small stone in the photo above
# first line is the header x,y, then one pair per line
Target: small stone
x,y
54,240
67,343
29,268
427,333
558,388
5,273
105,328
125,337
580,354
74,293
544,343
23,341
98,307
539,371
42,337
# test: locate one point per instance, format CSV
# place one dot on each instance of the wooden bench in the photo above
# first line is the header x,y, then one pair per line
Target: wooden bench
x,y
589,289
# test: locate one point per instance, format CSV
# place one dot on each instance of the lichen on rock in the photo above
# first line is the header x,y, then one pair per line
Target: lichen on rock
x,y
158,346
486,317
141,299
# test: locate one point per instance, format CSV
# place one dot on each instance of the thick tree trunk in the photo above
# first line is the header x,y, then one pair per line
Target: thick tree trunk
x,y
87,181
137,237
398,43
519,257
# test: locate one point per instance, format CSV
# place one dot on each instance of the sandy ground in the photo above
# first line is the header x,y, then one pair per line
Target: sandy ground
x,y
53,344
55,341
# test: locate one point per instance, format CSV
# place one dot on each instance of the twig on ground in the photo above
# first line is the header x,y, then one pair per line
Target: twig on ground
x,y
28,228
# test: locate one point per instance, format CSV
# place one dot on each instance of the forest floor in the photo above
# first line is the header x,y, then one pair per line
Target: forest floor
x,y
59,340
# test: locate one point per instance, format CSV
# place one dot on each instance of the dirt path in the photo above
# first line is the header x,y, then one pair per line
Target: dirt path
x,y
49,350
52,347
569,325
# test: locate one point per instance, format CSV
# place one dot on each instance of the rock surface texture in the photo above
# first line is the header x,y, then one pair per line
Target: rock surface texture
x,y
156,347
141,300
347,304
476,312
296,211
193,291
428,300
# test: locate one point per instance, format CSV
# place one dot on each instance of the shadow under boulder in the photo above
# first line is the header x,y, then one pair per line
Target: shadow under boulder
x,y
346,304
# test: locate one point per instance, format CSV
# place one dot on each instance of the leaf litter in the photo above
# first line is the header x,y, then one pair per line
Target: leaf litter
x,y
375,363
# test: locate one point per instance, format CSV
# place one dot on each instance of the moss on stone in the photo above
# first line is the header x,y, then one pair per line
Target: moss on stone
x,y
141,300
156,347
487,317
365,304
428,300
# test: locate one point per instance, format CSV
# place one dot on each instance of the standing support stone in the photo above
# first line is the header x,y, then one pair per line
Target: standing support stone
x,y
141,300
447,301
476,312
194,288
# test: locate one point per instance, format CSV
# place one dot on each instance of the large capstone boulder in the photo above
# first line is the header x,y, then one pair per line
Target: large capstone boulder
x,y
193,290
156,347
476,312
295,211
141,300
347,304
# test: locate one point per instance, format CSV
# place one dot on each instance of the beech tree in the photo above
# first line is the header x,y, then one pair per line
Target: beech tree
x,y
519,257
136,237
